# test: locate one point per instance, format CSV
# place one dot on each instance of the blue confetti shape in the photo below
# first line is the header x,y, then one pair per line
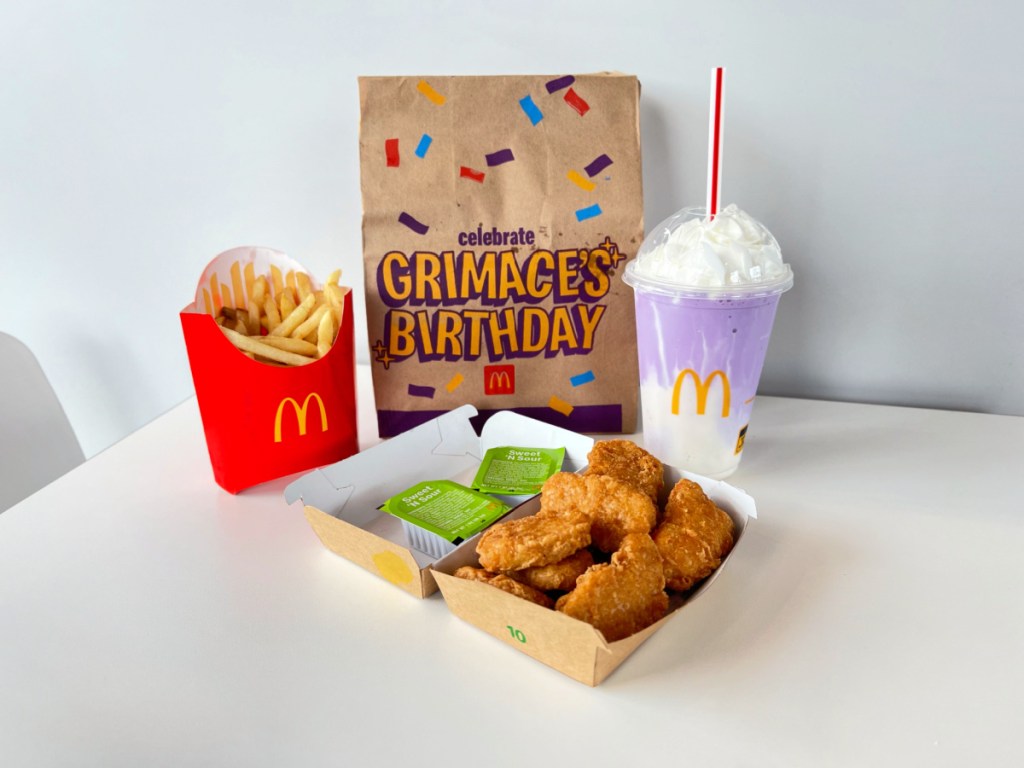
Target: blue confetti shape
x,y
588,213
531,109
423,146
581,378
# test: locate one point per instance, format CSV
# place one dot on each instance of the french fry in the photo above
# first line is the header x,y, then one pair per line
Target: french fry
x,y
276,279
249,276
257,347
303,285
325,334
311,323
289,281
270,310
286,302
215,289
287,343
296,334
259,289
236,284
295,318
336,298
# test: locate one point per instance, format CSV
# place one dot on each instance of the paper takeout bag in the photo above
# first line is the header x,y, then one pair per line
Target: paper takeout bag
x,y
498,213
261,421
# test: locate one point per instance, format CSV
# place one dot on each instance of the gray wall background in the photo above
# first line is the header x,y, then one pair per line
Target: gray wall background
x,y
880,142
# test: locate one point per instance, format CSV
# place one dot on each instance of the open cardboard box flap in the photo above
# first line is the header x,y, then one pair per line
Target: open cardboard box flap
x,y
572,647
341,500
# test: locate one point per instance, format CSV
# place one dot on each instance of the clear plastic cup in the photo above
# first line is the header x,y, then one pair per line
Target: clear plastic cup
x,y
701,350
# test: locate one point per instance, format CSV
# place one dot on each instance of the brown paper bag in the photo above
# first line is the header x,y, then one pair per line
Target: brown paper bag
x,y
498,214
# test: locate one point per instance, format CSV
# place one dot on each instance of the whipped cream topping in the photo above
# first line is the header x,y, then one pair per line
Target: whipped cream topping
x,y
733,249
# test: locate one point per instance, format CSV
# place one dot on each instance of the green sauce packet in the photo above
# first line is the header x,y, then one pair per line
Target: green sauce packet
x,y
517,471
446,509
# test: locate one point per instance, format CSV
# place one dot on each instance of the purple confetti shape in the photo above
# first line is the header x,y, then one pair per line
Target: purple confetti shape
x,y
499,157
418,227
598,164
559,83
416,390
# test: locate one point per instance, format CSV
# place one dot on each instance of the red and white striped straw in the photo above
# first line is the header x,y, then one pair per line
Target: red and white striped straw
x,y
715,141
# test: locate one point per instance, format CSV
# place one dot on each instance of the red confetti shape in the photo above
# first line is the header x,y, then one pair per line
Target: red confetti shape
x,y
469,173
573,100
391,152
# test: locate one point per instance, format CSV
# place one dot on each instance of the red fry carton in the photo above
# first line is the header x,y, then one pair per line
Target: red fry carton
x,y
265,421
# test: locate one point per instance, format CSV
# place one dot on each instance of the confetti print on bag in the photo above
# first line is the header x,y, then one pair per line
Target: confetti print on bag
x,y
423,146
574,100
597,165
531,109
585,184
424,87
417,390
559,83
499,157
468,173
416,226
582,378
558,404
391,152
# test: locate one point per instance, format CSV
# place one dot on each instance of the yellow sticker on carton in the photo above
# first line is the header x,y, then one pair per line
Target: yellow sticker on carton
x,y
392,568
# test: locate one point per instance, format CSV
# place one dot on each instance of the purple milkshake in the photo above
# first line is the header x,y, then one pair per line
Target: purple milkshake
x,y
706,292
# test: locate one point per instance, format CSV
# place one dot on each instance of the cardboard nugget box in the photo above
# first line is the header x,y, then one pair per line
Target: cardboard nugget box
x,y
341,501
571,646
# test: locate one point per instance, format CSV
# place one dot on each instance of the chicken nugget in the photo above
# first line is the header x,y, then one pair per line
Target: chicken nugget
x,y
689,507
525,591
530,541
626,461
623,596
614,508
560,576
688,559
470,573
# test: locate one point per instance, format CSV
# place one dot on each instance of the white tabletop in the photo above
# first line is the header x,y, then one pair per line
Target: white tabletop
x,y
872,616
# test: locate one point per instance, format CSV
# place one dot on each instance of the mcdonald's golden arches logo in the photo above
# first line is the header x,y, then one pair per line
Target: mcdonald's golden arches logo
x,y
499,379
300,414
702,388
